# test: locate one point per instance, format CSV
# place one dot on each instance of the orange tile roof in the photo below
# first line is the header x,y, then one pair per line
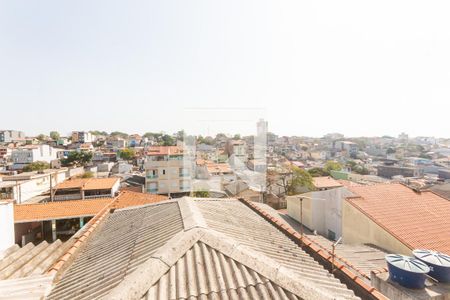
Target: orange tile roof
x,y
58,209
417,219
88,183
218,168
325,182
130,198
164,150
79,208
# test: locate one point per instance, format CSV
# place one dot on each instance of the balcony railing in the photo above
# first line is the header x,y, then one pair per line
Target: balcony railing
x,y
151,176
97,196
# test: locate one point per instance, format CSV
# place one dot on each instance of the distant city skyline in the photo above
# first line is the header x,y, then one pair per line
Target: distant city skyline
x,y
352,67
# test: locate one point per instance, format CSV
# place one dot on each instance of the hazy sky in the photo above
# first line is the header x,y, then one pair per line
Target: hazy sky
x,y
309,67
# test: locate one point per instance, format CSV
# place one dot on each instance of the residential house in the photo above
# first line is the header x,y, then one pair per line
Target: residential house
x,y
321,210
390,171
86,188
237,153
82,137
134,140
396,218
324,183
25,186
32,153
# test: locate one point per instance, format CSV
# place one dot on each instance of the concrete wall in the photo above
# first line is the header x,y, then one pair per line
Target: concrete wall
x,y
323,212
293,208
6,224
357,228
25,190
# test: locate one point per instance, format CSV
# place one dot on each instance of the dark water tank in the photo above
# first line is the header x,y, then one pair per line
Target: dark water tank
x,y
407,271
439,264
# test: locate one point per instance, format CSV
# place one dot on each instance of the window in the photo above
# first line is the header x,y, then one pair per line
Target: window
x,y
331,235
164,172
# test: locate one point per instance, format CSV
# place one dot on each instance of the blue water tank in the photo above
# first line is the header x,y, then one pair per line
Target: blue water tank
x,y
407,271
439,264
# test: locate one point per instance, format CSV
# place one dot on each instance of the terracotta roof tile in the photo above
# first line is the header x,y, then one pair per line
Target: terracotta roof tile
x,y
417,219
58,209
88,183
325,182
129,198
79,208
164,150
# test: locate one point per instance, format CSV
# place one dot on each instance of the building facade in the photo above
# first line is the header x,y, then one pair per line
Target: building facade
x,y
32,153
8,136
168,171
82,137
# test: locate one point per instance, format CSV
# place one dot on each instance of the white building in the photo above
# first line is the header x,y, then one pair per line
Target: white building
x,y
321,211
23,187
6,224
8,136
32,153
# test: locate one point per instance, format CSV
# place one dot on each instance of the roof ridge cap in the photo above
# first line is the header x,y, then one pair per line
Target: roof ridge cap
x,y
137,283
190,213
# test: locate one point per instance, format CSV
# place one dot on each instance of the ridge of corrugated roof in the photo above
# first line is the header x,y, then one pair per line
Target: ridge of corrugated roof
x,y
138,283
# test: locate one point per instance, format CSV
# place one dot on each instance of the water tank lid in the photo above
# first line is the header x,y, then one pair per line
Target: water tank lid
x,y
407,263
433,257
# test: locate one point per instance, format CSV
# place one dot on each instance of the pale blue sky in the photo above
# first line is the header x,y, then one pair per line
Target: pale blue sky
x,y
309,67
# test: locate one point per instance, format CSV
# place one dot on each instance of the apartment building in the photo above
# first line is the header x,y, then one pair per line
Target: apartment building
x,y
168,170
32,153
237,153
82,137
8,136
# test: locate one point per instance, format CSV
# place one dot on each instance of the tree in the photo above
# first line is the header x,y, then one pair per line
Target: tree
x,y
167,140
317,172
87,174
201,194
36,166
180,135
127,154
390,151
237,136
54,135
360,170
119,134
77,158
97,132
41,137
332,166
301,182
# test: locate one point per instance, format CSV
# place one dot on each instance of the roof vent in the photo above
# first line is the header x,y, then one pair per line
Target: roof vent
x,y
439,263
407,271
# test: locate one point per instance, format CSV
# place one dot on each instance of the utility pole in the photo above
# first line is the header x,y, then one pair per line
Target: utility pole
x,y
333,247
51,188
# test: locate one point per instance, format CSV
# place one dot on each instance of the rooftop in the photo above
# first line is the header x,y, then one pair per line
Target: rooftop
x,y
417,219
164,150
23,271
58,210
442,190
88,183
194,248
325,182
79,208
